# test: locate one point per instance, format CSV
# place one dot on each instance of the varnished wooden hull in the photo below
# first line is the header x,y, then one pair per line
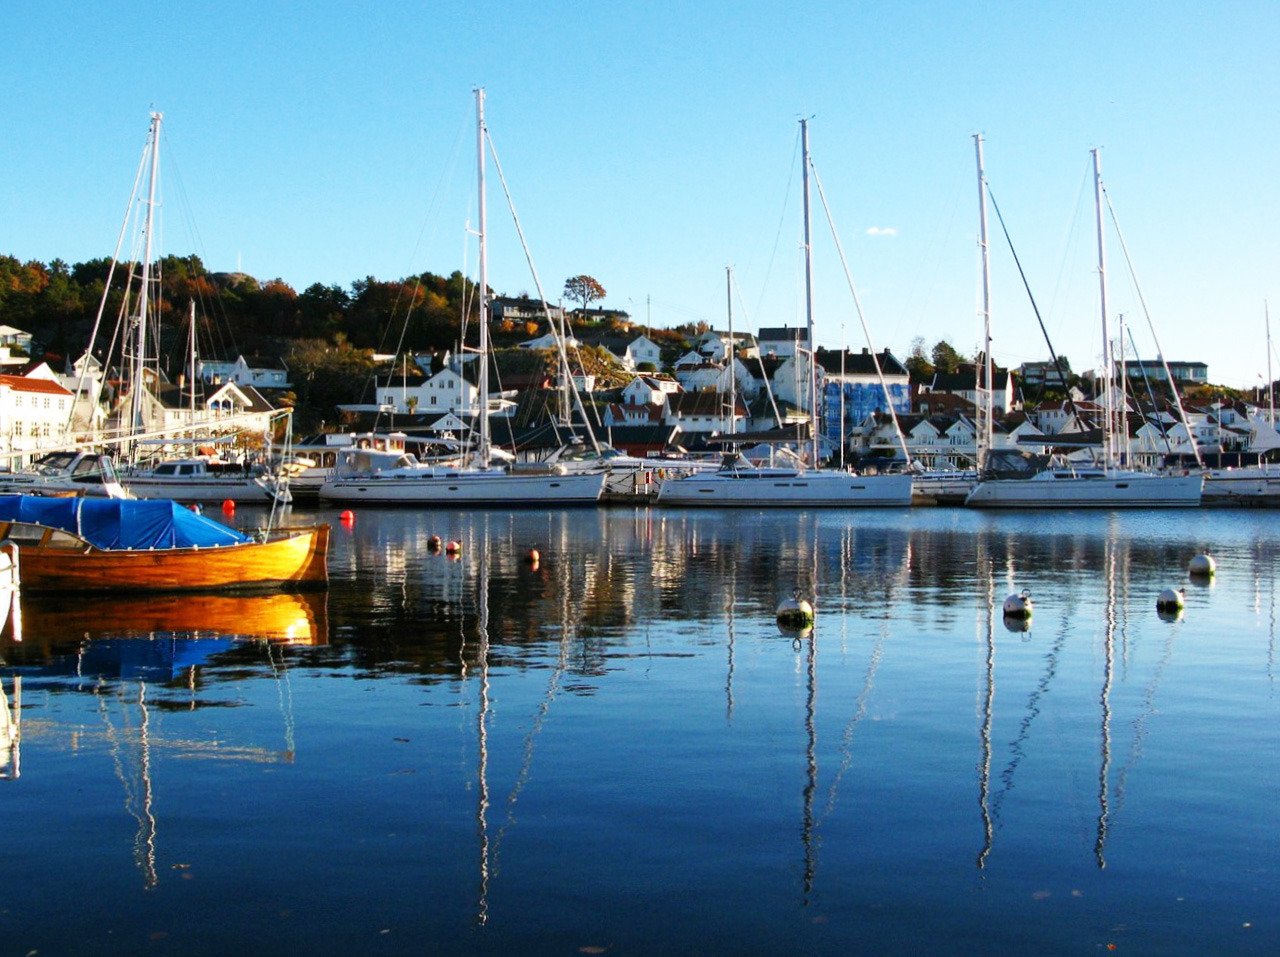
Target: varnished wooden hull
x,y
295,558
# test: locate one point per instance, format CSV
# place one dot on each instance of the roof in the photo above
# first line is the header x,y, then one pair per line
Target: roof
x,y
115,524
783,334
702,403
23,384
860,363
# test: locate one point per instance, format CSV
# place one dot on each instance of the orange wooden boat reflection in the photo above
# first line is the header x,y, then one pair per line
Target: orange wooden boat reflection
x,y
47,622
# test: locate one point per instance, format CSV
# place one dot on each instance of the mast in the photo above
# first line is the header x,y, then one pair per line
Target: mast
x,y
808,294
483,374
986,398
1271,392
140,343
733,381
192,370
1108,432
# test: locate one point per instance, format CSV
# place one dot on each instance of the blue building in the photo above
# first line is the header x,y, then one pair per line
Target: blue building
x,y
854,375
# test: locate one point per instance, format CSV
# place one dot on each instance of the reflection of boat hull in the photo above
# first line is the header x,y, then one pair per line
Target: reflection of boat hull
x,y
781,488
296,617
1052,490
297,557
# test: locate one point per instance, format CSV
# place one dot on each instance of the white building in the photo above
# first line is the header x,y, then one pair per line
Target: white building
x,y
258,371
34,415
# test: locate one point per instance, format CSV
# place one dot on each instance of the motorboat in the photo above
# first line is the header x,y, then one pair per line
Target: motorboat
x,y
66,472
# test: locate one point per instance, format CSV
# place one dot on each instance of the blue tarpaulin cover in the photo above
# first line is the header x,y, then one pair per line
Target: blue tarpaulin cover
x,y
110,523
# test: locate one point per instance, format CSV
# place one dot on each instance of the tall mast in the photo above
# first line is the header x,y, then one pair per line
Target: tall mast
x,y
144,298
733,380
483,374
986,397
192,370
1271,392
1108,431
808,294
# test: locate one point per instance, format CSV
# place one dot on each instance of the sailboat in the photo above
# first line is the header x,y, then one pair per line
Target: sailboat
x,y
1107,485
740,483
402,480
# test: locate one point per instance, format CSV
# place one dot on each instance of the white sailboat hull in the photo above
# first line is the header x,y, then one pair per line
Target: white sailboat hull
x,y
943,486
1249,485
779,488
482,488
202,490
1066,490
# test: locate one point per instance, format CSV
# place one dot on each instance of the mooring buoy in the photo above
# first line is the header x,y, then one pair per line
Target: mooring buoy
x,y
1018,605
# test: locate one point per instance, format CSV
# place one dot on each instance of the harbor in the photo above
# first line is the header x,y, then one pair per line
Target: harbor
x,y
579,479
617,750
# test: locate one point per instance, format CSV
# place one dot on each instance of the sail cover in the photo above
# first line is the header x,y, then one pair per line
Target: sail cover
x,y
112,524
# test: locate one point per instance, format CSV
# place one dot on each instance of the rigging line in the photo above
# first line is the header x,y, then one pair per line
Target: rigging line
x,y
1057,363
1155,408
768,389
542,296
1024,728
1067,240
193,232
846,739
1133,275
106,288
782,217
866,331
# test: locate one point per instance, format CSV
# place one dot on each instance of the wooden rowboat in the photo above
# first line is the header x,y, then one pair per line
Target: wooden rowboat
x,y
87,544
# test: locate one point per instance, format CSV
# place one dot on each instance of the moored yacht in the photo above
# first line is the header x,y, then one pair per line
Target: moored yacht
x,y
70,472
371,477
738,483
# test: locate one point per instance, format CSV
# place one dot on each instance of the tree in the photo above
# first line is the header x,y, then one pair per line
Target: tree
x,y
583,289
918,364
945,357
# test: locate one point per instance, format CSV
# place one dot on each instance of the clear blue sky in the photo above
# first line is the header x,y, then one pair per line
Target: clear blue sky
x,y
650,145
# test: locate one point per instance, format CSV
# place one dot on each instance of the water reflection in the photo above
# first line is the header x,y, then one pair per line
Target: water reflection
x,y
629,702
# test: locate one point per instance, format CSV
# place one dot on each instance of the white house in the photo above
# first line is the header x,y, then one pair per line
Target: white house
x,y
445,391
34,413
705,412
258,371
782,341
649,389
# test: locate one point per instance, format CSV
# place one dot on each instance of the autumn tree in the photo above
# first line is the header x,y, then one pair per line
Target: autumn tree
x,y
584,290
917,363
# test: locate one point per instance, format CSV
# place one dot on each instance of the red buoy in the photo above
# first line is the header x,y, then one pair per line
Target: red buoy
x,y
347,517
228,507
453,548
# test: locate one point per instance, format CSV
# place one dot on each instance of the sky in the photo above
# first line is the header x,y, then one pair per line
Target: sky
x,y
653,145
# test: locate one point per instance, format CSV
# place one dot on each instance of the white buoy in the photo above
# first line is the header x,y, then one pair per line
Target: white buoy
x,y
1203,566
795,611
1018,605
1171,599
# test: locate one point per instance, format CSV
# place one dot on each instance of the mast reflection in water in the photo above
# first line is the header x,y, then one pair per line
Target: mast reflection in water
x,y
615,748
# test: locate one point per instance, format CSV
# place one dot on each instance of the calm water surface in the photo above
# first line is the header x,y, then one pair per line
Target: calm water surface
x,y
617,751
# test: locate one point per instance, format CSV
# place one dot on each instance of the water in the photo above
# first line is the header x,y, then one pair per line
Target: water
x,y
618,751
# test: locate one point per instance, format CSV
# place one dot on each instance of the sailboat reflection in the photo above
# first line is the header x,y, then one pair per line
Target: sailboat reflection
x,y
11,732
